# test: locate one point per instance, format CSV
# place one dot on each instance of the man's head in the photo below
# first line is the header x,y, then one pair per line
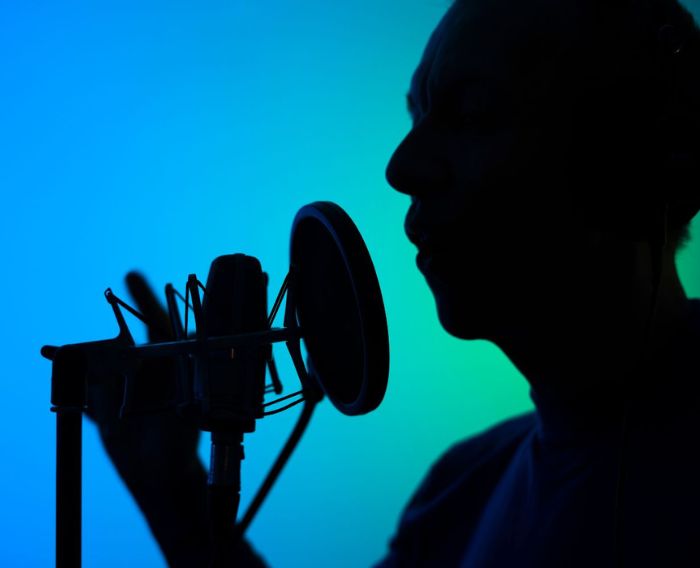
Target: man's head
x,y
538,151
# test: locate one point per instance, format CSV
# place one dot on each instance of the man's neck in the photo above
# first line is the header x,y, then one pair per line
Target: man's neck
x,y
566,360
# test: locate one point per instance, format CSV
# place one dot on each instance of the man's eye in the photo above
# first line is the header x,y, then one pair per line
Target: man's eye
x,y
468,119
462,117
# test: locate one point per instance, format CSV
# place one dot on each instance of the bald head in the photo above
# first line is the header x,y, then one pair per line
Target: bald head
x,y
538,129
595,73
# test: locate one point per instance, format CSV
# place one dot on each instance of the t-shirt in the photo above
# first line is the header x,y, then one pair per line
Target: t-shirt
x,y
541,489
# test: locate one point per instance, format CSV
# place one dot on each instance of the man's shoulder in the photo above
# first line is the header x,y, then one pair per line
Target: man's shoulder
x,y
497,441
495,438
448,502
474,461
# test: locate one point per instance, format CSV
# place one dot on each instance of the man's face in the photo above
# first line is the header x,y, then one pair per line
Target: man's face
x,y
500,238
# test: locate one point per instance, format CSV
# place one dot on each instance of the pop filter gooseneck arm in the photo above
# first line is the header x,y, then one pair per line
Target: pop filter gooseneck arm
x,y
289,447
311,393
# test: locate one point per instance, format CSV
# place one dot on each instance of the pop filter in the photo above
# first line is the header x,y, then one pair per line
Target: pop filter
x,y
339,307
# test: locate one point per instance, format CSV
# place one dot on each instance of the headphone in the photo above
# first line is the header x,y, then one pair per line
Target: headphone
x,y
673,204
679,123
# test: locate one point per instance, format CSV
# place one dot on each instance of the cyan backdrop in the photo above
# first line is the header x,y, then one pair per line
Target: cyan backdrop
x,y
158,135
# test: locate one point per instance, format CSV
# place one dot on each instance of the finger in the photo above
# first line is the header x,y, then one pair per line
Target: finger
x,y
158,322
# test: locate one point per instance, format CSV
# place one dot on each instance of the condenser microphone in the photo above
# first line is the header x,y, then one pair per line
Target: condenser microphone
x,y
229,386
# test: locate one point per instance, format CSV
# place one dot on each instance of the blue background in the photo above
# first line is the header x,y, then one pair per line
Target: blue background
x,y
159,135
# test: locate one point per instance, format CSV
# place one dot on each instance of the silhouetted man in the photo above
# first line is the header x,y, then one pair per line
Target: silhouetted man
x,y
552,168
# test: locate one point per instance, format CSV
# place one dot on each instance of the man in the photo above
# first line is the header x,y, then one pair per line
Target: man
x,y
546,206
551,167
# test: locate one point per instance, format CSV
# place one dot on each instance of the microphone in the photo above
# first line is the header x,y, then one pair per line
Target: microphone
x,y
333,304
229,386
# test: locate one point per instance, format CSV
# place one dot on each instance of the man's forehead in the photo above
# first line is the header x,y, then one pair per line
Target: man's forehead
x,y
479,39
434,52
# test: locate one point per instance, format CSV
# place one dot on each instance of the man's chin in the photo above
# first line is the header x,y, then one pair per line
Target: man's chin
x,y
465,322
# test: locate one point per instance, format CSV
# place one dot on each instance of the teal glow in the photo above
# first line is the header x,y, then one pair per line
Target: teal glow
x,y
160,135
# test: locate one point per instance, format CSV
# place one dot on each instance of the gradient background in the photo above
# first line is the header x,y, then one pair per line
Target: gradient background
x,y
158,135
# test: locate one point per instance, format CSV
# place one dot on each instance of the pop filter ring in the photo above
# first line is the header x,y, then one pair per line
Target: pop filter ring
x,y
366,296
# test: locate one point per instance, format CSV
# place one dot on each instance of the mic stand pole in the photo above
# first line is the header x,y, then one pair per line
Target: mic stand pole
x,y
224,495
68,398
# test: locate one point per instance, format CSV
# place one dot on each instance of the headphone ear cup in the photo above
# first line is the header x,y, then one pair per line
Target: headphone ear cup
x,y
679,124
680,184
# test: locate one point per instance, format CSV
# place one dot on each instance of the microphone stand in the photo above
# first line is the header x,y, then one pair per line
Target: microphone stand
x,y
74,364
69,374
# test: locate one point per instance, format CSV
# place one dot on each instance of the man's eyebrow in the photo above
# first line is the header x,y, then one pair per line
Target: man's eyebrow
x,y
485,85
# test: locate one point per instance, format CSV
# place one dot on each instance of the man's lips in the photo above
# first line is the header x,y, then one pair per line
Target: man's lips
x,y
438,238
417,232
425,244
424,260
425,231
428,248
426,241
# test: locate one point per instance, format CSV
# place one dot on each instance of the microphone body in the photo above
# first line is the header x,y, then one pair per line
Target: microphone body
x,y
229,386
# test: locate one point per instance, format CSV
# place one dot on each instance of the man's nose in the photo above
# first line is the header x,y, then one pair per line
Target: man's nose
x,y
416,167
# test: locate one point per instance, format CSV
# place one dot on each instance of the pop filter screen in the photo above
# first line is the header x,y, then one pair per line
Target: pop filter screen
x,y
339,307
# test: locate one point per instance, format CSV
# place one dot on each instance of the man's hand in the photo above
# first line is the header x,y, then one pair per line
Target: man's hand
x,y
155,449
153,445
